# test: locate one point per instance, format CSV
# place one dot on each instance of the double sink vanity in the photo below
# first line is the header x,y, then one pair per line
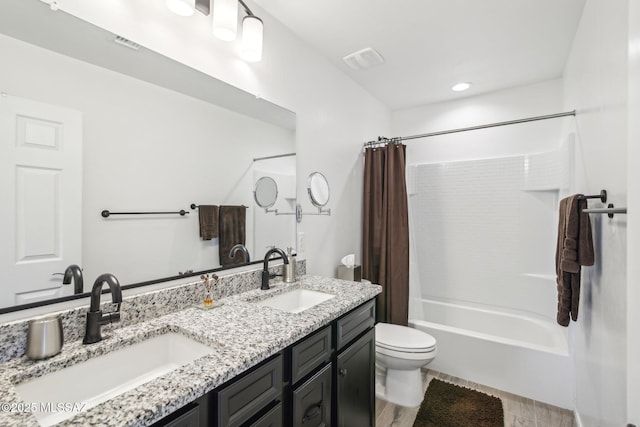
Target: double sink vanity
x,y
300,353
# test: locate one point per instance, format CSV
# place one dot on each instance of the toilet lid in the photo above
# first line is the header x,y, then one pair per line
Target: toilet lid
x,y
396,337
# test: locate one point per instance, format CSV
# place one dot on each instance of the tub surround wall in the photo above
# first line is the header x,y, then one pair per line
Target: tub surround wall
x,y
494,217
138,308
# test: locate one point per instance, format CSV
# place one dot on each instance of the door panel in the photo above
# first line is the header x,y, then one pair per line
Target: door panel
x,y
41,198
38,209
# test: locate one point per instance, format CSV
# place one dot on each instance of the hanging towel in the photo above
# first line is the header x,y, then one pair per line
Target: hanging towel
x,y
573,250
208,215
232,231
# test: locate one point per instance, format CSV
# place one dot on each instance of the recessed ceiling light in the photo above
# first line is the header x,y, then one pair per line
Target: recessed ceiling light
x,y
459,87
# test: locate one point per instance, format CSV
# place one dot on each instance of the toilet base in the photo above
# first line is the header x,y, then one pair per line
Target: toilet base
x,y
402,388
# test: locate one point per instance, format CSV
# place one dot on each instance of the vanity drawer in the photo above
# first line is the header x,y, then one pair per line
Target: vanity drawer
x,y
354,323
312,401
310,353
273,418
244,398
188,416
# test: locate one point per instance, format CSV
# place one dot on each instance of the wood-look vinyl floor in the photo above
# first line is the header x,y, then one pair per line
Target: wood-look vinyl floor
x,y
518,411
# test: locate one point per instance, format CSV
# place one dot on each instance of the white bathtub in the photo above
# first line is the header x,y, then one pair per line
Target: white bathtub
x,y
512,352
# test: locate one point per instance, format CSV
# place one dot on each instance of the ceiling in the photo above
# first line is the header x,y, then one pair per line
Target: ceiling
x,y
429,45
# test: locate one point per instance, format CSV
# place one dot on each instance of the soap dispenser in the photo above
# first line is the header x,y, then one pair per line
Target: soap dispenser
x,y
290,269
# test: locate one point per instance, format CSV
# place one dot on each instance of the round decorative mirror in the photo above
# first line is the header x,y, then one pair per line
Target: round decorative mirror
x,y
318,189
265,192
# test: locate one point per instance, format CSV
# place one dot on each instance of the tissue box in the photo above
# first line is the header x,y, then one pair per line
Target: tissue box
x,y
350,273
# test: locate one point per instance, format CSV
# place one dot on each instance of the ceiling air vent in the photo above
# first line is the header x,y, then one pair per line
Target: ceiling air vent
x,y
365,58
127,43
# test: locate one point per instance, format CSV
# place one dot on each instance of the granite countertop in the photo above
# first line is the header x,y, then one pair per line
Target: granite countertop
x,y
242,333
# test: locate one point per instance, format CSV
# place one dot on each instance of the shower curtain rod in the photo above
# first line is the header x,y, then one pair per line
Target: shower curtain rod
x,y
277,156
383,140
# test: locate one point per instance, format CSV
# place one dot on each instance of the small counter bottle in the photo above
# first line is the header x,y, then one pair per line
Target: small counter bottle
x,y
290,269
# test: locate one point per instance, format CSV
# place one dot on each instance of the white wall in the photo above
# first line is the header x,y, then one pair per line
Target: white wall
x,y
596,86
516,103
334,115
633,204
146,148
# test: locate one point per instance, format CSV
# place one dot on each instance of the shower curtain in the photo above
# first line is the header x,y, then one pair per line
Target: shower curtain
x,y
385,232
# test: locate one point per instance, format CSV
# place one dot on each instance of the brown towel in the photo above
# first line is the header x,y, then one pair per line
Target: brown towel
x,y
574,249
208,215
232,231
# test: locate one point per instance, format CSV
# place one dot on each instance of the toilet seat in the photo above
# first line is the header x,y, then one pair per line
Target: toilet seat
x,y
402,339
405,355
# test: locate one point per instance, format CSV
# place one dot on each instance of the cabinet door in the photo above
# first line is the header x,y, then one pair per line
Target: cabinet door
x,y
355,383
312,401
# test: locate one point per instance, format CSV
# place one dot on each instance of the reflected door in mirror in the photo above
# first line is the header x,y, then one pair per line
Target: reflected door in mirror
x,y
41,198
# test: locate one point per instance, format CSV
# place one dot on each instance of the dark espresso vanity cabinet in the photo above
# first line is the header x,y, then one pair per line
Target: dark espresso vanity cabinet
x,y
332,373
325,379
354,368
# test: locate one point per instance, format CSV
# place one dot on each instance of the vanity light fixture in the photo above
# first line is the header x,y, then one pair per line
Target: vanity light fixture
x,y
225,23
181,7
252,38
460,87
225,19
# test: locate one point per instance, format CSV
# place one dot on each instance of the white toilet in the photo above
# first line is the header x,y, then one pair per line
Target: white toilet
x,y
400,353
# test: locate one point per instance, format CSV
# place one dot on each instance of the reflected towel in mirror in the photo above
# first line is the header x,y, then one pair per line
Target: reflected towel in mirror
x,y
232,231
208,215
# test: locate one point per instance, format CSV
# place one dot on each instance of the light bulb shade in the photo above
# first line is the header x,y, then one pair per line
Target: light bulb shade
x,y
182,7
252,38
225,19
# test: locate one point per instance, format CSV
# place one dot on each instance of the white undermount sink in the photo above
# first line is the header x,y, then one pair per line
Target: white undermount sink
x,y
296,300
101,378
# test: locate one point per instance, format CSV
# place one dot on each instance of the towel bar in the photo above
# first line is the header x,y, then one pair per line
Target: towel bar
x,y
602,196
105,213
194,206
609,210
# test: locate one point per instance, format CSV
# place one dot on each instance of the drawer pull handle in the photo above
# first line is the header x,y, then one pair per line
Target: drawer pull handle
x,y
312,412
343,372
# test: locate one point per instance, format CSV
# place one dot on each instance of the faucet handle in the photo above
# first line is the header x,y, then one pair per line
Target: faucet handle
x,y
112,317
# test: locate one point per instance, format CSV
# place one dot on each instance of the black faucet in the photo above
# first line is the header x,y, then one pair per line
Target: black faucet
x,y
265,270
242,248
95,318
75,272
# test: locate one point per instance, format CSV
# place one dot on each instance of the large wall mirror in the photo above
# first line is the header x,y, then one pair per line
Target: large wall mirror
x,y
131,131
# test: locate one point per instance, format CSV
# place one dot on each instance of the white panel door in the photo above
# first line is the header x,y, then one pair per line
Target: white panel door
x,y
40,198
